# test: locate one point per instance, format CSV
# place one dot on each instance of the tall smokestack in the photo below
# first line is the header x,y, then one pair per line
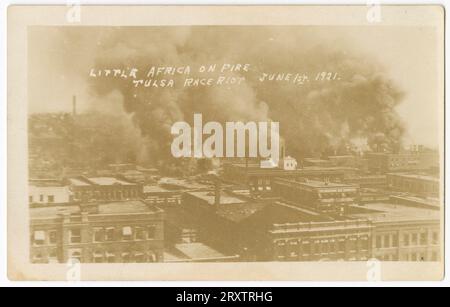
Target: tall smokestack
x,y
74,105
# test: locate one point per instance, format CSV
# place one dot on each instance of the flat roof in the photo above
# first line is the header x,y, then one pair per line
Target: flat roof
x,y
210,196
124,207
53,211
415,176
108,181
154,189
318,184
119,207
387,212
78,182
198,250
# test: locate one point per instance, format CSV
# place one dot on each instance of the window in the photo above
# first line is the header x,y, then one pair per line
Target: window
x,y
127,233
53,256
139,257
51,198
364,243
99,234
151,232
98,257
109,235
435,238
387,241
341,245
406,240
38,258
76,255
52,237
434,256
41,198
110,257
39,237
378,241
352,245
126,257
423,238
140,233
414,239
395,240
75,236
151,256
30,199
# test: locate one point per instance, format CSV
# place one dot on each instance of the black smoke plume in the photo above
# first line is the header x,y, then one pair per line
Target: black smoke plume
x,y
314,118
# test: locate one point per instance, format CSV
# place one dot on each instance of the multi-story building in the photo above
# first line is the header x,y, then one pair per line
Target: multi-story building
x,y
325,197
159,196
42,191
383,162
368,181
260,180
103,188
402,233
121,231
275,230
322,241
414,183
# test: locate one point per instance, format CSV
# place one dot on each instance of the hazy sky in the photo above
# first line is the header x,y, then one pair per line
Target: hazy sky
x,y
60,59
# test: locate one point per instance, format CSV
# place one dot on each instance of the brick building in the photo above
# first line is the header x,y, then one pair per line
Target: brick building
x,y
414,183
41,191
275,230
122,231
383,162
103,188
325,197
260,180
402,233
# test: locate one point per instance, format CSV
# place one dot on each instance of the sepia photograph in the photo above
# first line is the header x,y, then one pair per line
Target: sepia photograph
x,y
208,144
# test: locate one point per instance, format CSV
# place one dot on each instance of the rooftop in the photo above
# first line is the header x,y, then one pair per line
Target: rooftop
x,y
108,181
386,212
126,207
415,176
154,189
103,181
119,207
316,184
225,197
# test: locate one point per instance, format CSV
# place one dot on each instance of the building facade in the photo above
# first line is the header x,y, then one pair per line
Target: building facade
x,y
125,231
325,197
405,161
403,233
414,183
103,189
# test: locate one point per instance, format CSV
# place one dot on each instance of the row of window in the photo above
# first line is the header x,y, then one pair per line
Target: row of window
x,y
101,234
107,194
124,257
50,198
415,256
409,239
127,233
100,257
323,246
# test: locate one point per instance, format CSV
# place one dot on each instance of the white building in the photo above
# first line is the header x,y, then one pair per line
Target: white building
x,y
48,194
289,163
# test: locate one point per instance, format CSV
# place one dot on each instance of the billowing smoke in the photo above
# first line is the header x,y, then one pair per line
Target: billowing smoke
x,y
315,117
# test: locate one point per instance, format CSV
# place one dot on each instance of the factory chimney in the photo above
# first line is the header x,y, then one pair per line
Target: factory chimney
x,y
74,105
